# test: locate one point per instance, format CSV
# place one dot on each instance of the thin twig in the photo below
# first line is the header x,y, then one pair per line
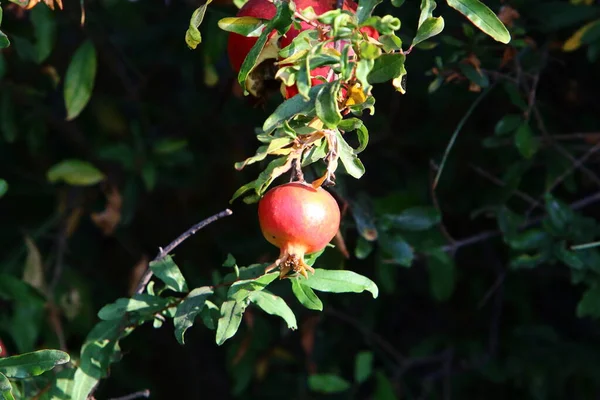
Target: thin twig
x,y
436,203
578,163
486,235
137,395
457,131
499,182
165,251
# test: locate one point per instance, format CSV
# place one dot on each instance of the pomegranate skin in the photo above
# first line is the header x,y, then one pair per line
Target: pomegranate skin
x,y
239,46
298,218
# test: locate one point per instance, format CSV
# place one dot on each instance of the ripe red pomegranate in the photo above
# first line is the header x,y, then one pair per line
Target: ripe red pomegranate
x,y
239,46
298,219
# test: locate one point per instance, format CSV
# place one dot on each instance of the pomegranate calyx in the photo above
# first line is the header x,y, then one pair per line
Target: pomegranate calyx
x,y
290,261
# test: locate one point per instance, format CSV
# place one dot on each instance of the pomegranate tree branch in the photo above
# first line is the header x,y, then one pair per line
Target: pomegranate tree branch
x,y
486,235
137,395
163,252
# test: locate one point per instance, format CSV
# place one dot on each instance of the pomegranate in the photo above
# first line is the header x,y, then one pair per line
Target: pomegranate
x,y
298,219
239,46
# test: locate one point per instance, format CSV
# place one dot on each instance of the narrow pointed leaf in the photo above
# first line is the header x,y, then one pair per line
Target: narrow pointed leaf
x,y
32,364
306,296
274,305
231,317
340,282
482,17
79,79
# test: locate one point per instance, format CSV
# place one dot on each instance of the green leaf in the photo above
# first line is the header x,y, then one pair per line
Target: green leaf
x,y
383,388
210,315
525,141
281,22
167,271
79,79
362,133
192,36
229,261
508,124
327,383
473,75
243,273
397,3
274,305
5,386
365,9
572,259
100,349
231,318
561,216
3,187
354,167
441,275
390,42
400,251
75,173
306,296
245,26
363,248
297,105
28,310
45,32
386,67
589,305
144,305
62,387
188,309
4,42
326,104
482,17
528,240
431,27
274,169
240,290
338,281
32,364
363,366
427,7
414,219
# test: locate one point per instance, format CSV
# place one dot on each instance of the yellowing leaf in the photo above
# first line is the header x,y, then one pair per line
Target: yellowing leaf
x,y
355,96
574,42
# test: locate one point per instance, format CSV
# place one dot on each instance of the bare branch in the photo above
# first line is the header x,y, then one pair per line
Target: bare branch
x,y
486,235
171,246
142,394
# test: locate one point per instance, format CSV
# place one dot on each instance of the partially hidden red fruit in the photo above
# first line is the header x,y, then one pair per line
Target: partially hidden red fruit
x,y
298,219
239,46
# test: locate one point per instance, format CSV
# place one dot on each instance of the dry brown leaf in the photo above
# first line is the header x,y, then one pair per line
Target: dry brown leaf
x,y
508,15
109,219
508,55
340,244
473,87
474,61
